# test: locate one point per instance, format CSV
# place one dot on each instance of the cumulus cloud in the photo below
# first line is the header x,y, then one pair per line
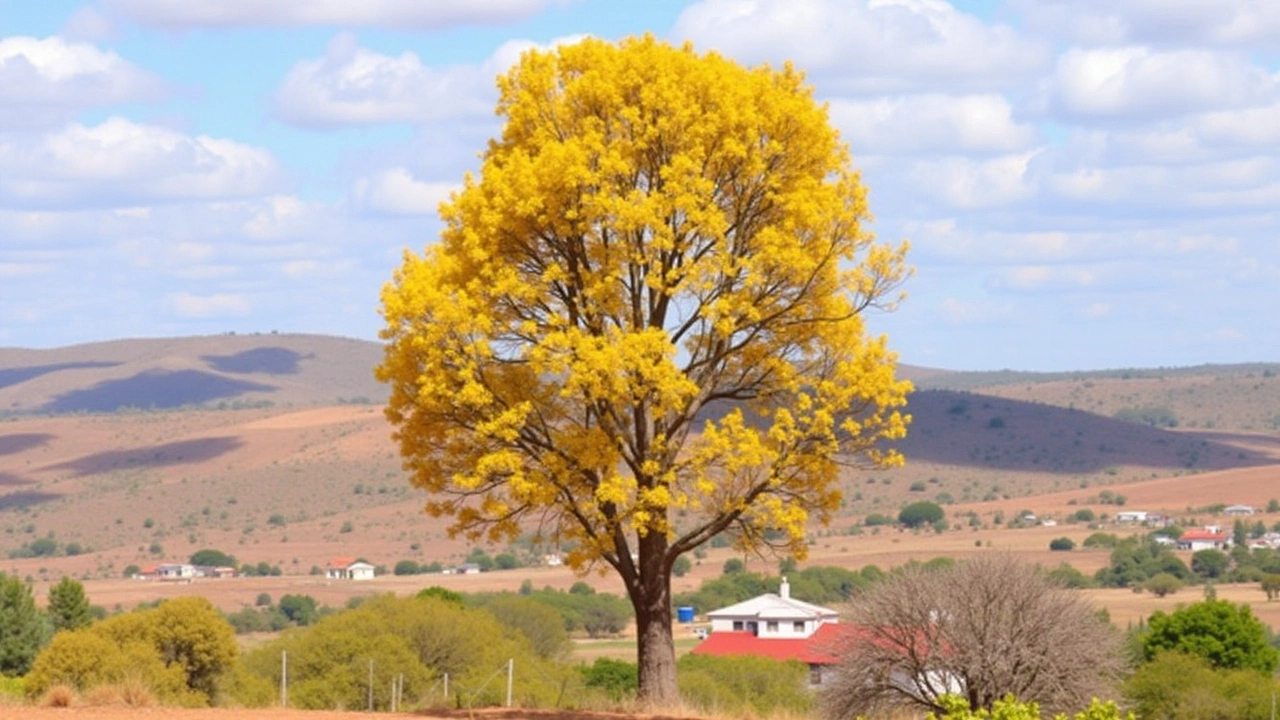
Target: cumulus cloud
x,y
396,192
352,85
390,14
1137,82
878,46
47,81
931,123
120,163
1240,23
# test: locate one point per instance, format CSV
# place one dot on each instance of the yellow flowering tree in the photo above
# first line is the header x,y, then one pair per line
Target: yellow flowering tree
x,y
641,327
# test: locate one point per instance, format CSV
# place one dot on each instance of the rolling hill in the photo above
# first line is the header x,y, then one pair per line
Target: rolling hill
x,y
274,448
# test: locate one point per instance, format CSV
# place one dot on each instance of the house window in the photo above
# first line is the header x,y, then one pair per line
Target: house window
x,y
798,626
737,625
815,674
771,626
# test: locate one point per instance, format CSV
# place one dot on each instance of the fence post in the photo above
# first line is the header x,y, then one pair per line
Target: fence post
x,y
284,678
511,666
370,684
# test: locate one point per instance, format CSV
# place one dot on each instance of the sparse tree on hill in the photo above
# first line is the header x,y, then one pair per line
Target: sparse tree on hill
x,y
642,326
985,627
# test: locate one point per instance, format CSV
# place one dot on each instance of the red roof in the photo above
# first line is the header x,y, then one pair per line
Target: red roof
x,y
817,649
341,563
1202,535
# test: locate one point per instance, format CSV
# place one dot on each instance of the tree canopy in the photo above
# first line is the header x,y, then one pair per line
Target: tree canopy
x,y
23,629
643,324
68,606
1220,631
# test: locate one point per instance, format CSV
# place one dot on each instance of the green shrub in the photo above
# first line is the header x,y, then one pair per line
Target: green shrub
x,y
1062,544
921,513
618,679
744,685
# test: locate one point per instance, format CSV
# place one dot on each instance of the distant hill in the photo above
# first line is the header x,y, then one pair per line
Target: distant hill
x,y
273,447
217,371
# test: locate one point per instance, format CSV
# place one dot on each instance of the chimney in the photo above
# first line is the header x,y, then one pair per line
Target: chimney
x,y
785,589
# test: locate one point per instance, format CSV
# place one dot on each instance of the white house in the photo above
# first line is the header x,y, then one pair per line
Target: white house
x,y
175,571
1194,540
349,568
1131,516
773,616
1239,510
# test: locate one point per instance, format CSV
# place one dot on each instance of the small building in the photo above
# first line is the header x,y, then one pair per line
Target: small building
x,y
773,616
468,569
1195,540
1131,516
175,571
349,568
1239,510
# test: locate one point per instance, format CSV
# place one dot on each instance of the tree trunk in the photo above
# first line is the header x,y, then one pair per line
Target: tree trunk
x,y
651,598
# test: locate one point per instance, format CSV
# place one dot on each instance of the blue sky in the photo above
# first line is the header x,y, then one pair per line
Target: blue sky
x,y
1085,183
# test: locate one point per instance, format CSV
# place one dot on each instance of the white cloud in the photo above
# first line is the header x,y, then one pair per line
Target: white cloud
x,y
123,163
1241,23
187,305
389,14
879,46
352,85
931,123
89,25
1137,82
396,192
960,182
47,81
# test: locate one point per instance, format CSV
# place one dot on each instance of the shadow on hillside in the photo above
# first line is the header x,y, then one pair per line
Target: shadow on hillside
x,y
11,480
13,376
154,389
267,360
17,442
967,429
174,453
21,500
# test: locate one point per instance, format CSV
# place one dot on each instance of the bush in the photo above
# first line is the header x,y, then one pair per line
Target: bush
x,y
1062,544
618,679
744,685
1227,635
1162,584
875,519
681,566
955,707
406,567
734,565
1084,515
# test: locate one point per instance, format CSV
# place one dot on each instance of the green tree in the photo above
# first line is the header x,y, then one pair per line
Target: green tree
x,y
300,609
1210,564
23,629
617,678
655,234
68,606
921,513
1162,584
537,621
1177,686
1225,634
1271,585
213,558
191,633
1062,544
734,565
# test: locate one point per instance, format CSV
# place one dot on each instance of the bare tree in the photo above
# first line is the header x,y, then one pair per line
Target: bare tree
x,y
981,629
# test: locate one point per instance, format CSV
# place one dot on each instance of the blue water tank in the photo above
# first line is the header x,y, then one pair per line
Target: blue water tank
x,y
684,613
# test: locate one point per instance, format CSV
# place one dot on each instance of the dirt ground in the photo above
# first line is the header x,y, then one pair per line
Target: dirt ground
x,y
127,713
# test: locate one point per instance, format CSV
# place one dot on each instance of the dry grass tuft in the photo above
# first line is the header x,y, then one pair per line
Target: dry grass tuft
x,y
103,696
60,696
136,693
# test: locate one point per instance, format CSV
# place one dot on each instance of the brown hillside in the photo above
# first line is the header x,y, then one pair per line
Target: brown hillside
x,y
215,371
270,468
